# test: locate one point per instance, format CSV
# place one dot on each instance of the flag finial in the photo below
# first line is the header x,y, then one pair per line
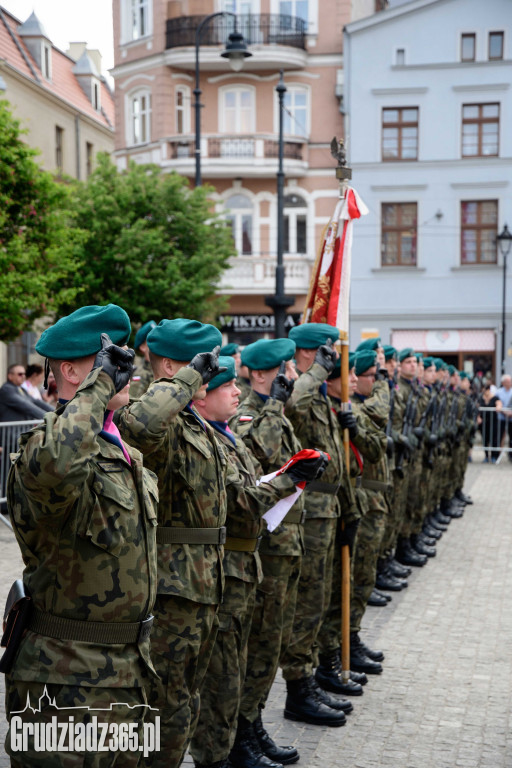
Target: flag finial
x,y
343,172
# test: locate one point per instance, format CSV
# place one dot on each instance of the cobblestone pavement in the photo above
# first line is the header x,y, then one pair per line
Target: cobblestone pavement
x,y
444,698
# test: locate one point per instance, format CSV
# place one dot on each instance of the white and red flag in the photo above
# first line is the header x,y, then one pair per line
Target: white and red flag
x,y
276,514
328,299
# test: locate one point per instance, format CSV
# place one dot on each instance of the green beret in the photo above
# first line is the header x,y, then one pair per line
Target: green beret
x,y
227,362
390,353
336,371
365,359
351,360
464,375
373,344
452,370
229,349
265,354
405,353
428,362
79,334
141,335
313,335
419,356
439,364
182,339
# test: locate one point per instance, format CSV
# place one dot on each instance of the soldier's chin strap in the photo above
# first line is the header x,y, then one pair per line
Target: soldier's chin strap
x,y
46,372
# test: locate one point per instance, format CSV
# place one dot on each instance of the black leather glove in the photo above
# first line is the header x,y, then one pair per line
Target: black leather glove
x,y
308,469
419,432
115,361
348,535
281,388
390,446
432,440
326,356
207,364
405,445
347,420
382,374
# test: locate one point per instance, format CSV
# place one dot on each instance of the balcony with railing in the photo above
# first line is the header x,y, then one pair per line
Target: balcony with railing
x,y
224,156
275,40
256,275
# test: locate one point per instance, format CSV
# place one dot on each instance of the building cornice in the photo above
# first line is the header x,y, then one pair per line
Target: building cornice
x,y
477,163
397,91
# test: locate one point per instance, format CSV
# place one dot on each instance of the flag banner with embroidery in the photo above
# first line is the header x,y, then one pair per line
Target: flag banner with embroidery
x,y
328,299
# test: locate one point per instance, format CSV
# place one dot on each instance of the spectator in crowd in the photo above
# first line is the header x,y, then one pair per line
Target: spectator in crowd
x,y
489,424
505,415
15,403
32,384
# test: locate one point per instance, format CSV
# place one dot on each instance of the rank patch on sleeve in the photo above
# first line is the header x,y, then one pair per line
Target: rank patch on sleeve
x,y
245,418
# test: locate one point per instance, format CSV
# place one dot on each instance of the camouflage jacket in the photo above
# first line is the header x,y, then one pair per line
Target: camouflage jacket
x,y
191,467
246,505
85,521
375,469
269,436
244,386
316,426
141,379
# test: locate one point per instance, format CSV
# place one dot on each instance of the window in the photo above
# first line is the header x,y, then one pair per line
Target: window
x,y
182,109
140,118
237,115
96,95
47,62
480,130
297,8
59,150
296,111
239,214
400,134
295,218
139,18
88,158
467,47
399,230
479,227
495,45
400,57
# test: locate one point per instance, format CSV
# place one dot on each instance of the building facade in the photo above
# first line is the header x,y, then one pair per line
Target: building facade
x,y
427,126
154,74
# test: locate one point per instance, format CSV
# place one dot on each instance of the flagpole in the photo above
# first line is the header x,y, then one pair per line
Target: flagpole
x,y
343,174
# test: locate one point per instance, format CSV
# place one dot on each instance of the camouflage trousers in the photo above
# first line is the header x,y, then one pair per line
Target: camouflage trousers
x,y
271,629
364,566
397,500
181,645
329,634
411,522
222,685
79,703
314,596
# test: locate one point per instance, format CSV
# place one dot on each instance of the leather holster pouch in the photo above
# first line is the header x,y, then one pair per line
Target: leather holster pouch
x,y
16,618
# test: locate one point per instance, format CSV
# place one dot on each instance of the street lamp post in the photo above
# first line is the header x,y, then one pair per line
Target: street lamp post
x,y
504,240
235,51
279,302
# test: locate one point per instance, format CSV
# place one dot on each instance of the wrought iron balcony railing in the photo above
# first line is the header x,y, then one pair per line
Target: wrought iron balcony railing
x,y
257,29
240,147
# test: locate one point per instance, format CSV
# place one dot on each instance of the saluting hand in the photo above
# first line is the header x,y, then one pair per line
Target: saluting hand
x,y
115,361
282,387
207,364
326,356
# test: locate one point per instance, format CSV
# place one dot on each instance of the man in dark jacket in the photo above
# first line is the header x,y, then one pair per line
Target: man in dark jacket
x,y
15,403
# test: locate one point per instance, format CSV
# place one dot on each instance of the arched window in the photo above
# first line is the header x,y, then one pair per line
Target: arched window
x,y
139,118
295,225
239,213
182,105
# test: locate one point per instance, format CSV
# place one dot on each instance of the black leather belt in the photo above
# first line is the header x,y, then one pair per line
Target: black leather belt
x,y
167,535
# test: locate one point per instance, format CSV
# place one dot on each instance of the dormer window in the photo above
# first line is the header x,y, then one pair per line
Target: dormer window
x,y
96,95
46,61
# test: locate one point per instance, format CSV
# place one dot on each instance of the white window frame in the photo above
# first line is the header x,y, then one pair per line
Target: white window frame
x,y
146,117
223,91
312,23
127,9
292,214
46,48
185,109
237,214
294,87
96,90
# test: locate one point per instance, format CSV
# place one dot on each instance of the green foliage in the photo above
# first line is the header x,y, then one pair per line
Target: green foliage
x,y
152,244
36,242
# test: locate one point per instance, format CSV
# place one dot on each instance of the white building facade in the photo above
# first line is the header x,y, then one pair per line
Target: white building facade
x,y
428,112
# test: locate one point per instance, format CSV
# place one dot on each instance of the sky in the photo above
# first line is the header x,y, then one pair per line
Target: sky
x,y
66,21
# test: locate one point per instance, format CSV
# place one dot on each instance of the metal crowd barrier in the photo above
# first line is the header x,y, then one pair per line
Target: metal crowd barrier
x,y
496,432
9,434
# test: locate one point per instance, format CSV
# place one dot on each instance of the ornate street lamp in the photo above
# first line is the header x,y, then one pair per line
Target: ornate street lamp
x,y
504,240
236,51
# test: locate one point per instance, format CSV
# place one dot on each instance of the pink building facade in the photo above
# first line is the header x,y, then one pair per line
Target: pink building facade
x,y
154,98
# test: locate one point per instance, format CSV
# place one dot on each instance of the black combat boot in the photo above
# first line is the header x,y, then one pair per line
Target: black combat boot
x,y
430,531
283,755
358,677
383,594
388,582
455,509
397,569
459,493
334,702
304,705
246,752
419,545
328,676
378,601
426,539
440,516
359,660
407,555
373,655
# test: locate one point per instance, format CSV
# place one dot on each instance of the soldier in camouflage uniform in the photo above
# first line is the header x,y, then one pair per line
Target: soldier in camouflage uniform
x,y
143,374
84,514
247,503
192,468
315,424
261,423
242,374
